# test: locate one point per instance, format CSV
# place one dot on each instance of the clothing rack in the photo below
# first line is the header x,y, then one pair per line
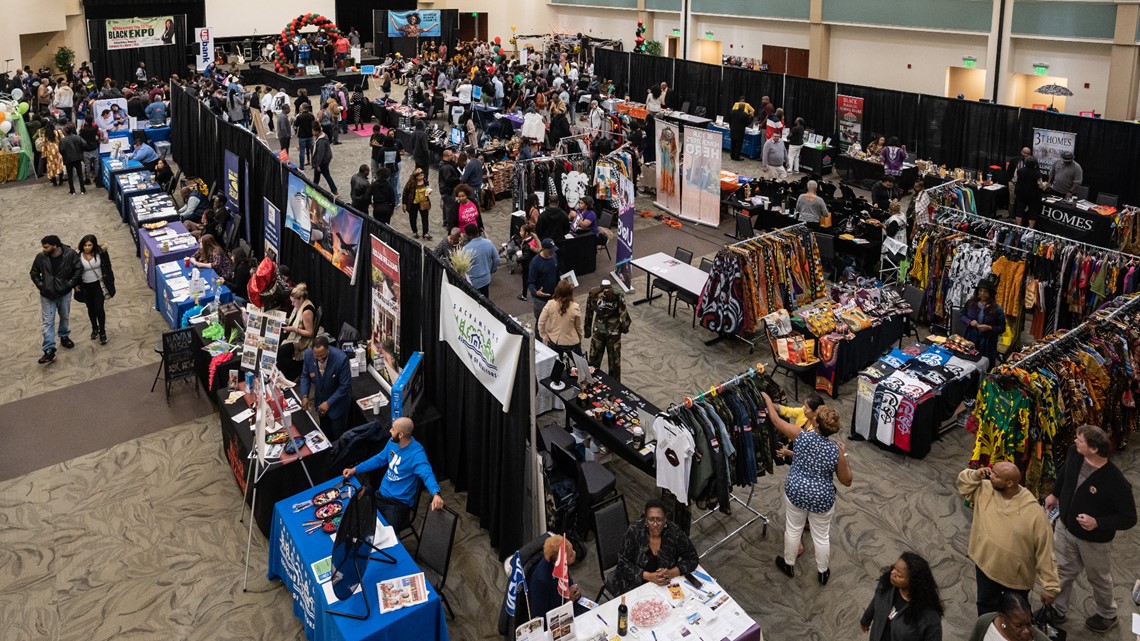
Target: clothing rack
x,y
980,239
948,213
756,514
1078,332
790,228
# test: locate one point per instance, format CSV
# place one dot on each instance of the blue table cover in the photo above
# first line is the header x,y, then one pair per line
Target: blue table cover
x,y
291,555
126,184
172,310
109,167
157,134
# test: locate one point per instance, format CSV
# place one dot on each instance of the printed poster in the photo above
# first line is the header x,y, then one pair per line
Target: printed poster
x,y
624,200
204,48
272,217
1048,145
481,342
386,309
130,33
849,111
700,195
233,182
668,165
333,231
413,24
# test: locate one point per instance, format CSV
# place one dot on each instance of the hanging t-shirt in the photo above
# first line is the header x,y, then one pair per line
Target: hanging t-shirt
x,y
675,448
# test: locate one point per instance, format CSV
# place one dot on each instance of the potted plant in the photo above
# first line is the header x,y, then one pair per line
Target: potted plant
x,y
64,59
653,47
461,262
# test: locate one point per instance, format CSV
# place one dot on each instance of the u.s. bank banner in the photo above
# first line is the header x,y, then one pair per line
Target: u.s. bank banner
x,y
128,33
481,342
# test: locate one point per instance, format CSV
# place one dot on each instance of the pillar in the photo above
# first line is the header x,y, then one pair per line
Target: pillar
x,y
1123,65
819,42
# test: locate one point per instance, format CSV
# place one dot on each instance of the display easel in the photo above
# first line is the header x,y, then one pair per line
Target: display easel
x,y
746,504
259,466
751,342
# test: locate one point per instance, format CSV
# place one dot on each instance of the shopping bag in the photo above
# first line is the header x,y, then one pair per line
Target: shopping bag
x,y
1041,622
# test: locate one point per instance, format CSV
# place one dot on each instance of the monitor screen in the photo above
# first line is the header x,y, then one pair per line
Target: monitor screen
x,y
456,136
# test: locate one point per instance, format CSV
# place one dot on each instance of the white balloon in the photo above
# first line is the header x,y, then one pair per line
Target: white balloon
x,y
17,93
5,126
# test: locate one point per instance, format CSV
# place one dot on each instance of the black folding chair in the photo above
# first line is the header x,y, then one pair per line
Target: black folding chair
x,y
669,288
433,554
610,524
690,298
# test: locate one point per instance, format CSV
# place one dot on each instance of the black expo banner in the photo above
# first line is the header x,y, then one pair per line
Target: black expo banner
x,y
130,33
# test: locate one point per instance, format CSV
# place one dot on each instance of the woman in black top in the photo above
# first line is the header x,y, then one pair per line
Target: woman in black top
x,y
654,550
95,285
1027,201
906,605
243,269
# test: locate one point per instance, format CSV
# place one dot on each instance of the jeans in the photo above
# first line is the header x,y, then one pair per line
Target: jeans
x,y
324,169
794,519
1076,555
394,180
91,165
396,514
49,309
990,591
305,149
75,168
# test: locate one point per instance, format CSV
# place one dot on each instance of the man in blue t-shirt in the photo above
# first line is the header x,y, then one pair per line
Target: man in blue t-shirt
x,y
407,465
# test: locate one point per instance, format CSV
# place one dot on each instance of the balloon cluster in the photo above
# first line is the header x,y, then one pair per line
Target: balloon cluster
x,y
290,32
639,47
498,48
10,110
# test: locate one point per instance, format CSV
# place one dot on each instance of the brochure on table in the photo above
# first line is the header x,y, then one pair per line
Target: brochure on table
x,y
262,338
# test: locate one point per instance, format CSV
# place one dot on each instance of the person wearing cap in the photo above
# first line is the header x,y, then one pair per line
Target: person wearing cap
x,y
984,319
542,276
1065,176
484,259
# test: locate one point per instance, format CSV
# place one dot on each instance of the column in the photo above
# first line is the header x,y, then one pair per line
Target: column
x,y
999,51
819,42
1123,65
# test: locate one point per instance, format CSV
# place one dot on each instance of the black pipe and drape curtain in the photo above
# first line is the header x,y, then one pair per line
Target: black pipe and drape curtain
x,y
646,71
886,113
1105,149
483,448
810,99
698,84
753,85
614,65
959,133
120,64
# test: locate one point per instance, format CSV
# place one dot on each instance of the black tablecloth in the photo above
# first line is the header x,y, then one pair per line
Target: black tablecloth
x,y
1070,221
579,253
617,439
818,161
279,480
867,346
869,170
989,201
866,255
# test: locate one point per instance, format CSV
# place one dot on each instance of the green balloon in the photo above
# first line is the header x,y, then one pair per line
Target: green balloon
x,y
23,107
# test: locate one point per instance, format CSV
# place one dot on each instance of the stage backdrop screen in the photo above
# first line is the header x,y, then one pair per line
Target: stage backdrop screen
x,y
228,18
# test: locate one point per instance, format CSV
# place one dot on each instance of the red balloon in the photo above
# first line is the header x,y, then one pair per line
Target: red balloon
x,y
498,40
639,40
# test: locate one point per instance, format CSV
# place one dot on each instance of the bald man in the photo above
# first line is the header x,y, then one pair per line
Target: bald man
x,y
1011,543
407,466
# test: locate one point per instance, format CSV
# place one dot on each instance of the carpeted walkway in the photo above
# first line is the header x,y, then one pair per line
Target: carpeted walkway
x,y
89,417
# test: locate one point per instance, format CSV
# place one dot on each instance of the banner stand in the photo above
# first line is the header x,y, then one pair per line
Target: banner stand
x,y
700,190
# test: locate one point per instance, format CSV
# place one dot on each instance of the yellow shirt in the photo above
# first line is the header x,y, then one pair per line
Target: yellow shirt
x,y
795,415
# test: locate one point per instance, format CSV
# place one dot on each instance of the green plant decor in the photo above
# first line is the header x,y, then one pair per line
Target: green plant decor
x,y
653,47
64,58
461,262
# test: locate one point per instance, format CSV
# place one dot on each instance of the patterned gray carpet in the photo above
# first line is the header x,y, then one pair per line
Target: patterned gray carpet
x,y
141,540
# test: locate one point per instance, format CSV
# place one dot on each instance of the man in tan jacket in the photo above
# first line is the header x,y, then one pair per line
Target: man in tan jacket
x,y
1011,544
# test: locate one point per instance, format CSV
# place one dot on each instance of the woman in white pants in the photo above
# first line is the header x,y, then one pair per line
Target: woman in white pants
x,y
809,493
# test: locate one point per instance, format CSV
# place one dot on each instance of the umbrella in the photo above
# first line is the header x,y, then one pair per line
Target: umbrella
x,y
1053,90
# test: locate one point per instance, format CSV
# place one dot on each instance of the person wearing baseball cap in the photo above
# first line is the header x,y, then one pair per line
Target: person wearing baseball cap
x,y
543,276
984,320
1065,176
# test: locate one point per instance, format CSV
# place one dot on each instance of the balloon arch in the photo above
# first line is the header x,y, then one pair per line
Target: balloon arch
x,y
288,33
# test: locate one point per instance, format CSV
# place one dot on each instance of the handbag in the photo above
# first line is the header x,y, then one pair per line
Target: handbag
x,y
1041,622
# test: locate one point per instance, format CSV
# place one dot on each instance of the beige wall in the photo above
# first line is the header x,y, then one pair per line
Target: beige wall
x,y
530,16
971,83
747,37
879,57
1078,62
31,31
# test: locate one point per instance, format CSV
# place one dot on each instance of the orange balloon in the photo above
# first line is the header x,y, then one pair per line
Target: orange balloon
x,y
3,116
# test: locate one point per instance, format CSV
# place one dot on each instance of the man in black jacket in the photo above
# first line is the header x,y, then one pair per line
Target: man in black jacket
x,y
71,150
55,272
448,181
552,223
738,120
1095,501
421,153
